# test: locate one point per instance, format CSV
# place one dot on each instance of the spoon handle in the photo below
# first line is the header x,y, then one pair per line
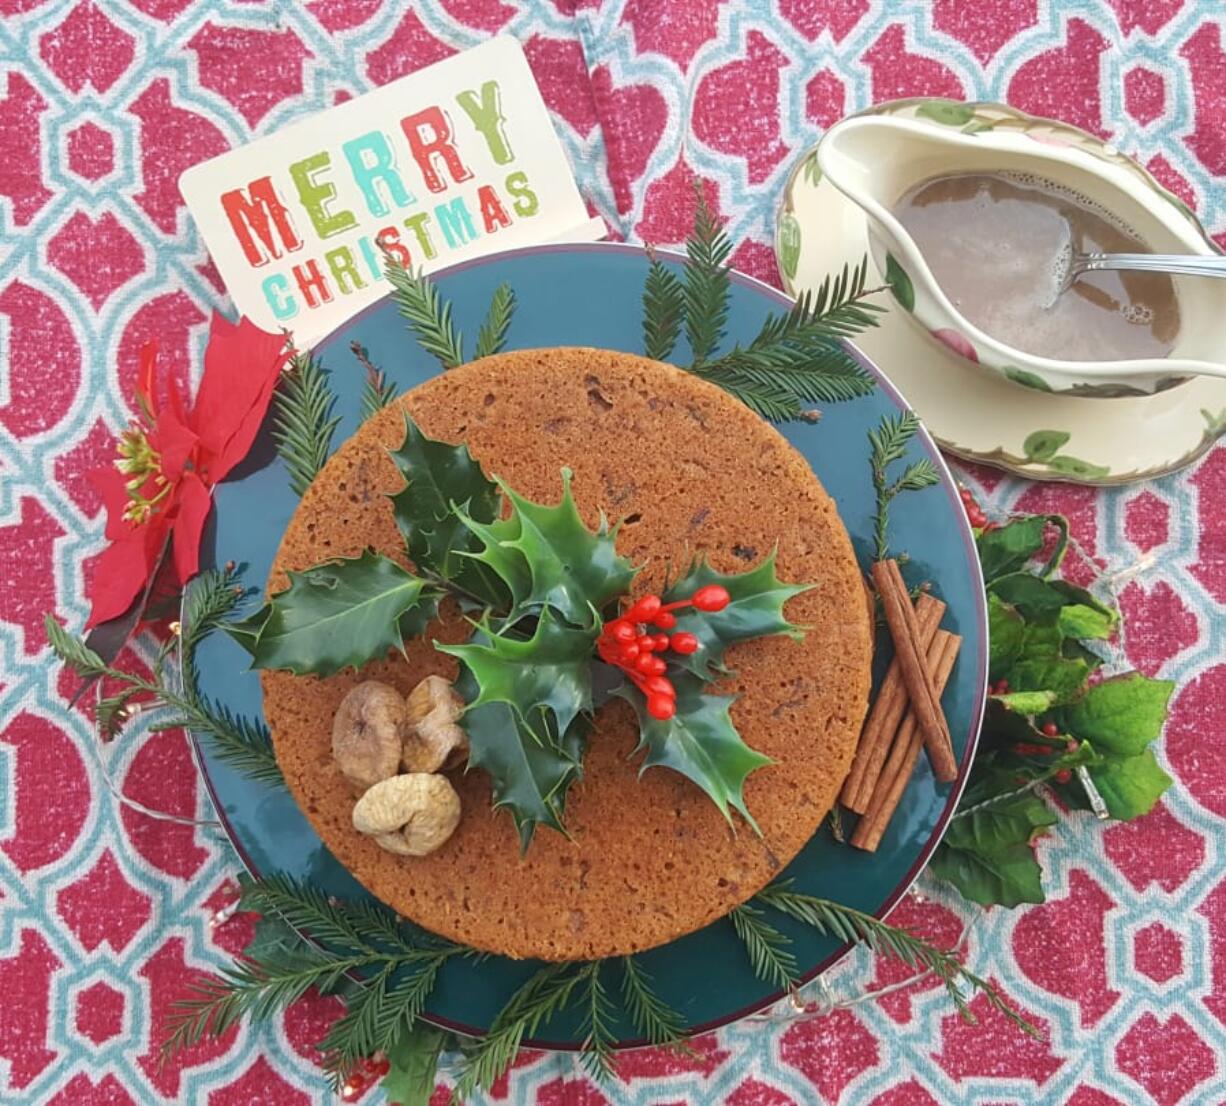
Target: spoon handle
x,y
1182,264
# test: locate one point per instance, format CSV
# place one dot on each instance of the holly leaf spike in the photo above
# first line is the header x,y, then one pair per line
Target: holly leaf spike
x,y
547,557
755,609
701,743
438,476
551,671
339,614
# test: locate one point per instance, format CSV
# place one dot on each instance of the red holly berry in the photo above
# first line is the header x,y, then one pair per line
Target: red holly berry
x,y
1002,687
658,666
711,598
1072,746
1063,776
1050,729
631,651
659,685
645,663
659,642
666,620
662,707
620,630
644,609
684,643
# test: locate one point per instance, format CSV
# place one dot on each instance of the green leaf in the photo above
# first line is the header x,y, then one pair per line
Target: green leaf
x,y
1061,676
789,244
546,557
950,113
303,423
530,766
414,1057
755,610
493,333
663,311
1042,445
1007,548
1027,379
339,614
1078,621
1073,466
700,742
707,284
900,284
1006,632
1130,785
812,170
1008,876
549,671
1026,702
1035,598
1122,714
438,477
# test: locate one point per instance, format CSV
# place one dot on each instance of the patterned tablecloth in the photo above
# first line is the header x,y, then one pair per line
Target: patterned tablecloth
x,y
104,912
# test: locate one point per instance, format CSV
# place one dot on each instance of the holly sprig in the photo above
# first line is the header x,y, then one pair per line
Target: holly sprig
x,y
1049,729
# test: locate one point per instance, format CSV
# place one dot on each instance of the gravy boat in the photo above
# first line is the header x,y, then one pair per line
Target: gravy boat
x,y
874,160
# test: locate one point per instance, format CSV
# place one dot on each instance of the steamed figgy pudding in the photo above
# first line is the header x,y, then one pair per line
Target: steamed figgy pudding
x,y
645,855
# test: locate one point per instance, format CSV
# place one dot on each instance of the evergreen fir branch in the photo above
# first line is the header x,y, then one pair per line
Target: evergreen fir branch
x,y
707,285
596,1051
239,741
207,600
768,948
303,424
428,314
539,999
73,651
377,390
888,443
847,924
652,1017
493,333
663,310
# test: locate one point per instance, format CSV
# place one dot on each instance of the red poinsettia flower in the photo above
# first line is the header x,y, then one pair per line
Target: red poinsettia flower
x,y
159,491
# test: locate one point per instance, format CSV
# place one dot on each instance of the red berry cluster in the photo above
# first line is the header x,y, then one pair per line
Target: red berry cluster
x,y
1033,749
365,1076
635,640
974,513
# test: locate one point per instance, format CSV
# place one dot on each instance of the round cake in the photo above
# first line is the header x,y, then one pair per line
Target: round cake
x,y
688,470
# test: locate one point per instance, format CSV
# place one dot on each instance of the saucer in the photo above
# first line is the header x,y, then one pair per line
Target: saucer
x,y
973,413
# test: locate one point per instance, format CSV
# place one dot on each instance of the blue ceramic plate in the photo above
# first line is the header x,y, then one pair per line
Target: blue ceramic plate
x,y
590,295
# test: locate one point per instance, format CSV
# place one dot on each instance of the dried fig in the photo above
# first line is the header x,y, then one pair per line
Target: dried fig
x,y
433,738
367,733
411,814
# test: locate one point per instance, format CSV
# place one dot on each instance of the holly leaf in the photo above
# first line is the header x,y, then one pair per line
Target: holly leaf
x,y
700,742
1121,715
439,476
755,610
546,557
413,1058
530,766
1081,622
340,614
551,671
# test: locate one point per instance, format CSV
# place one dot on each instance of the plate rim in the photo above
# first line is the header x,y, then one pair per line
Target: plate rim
x,y
948,486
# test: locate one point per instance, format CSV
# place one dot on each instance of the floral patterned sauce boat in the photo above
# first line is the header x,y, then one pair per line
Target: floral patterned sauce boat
x,y
874,160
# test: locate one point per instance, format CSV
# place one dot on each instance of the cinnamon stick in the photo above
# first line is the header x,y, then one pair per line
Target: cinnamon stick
x,y
896,774
886,714
925,701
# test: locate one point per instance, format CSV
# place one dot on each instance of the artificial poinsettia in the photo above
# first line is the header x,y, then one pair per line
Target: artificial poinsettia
x,y
158,492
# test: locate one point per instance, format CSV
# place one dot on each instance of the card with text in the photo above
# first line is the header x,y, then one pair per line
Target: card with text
x,y
454,161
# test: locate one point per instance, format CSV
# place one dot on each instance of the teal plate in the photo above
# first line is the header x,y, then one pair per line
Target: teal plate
x,y
591,295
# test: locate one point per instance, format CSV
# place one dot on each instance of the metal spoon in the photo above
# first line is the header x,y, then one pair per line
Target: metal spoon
x,y
1180,264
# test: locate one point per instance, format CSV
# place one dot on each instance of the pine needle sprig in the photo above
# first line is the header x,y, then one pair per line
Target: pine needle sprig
x,y
768,948
427,313
493,333
707,285
208,598
377,390
663,310
241,742
303,424
74,652
596,1051
850,925
652,1017
888,444
546,993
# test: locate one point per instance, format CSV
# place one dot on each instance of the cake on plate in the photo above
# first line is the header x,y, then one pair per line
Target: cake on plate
x,y
646,857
